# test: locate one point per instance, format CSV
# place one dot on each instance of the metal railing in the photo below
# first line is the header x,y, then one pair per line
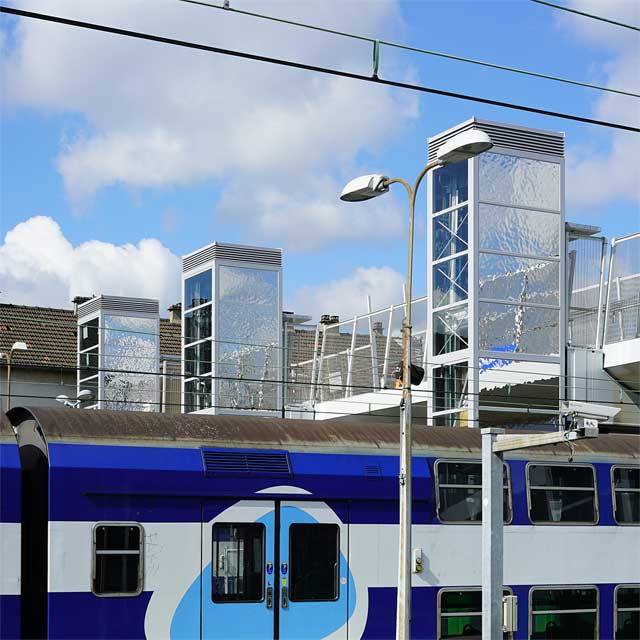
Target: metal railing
x,y
622,311
360,355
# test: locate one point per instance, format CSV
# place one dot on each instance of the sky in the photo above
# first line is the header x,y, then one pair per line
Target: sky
x,y
118,156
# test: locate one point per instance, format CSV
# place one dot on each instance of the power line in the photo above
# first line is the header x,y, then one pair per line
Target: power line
x,y
376,42
298,410
587,15
307,67
492,397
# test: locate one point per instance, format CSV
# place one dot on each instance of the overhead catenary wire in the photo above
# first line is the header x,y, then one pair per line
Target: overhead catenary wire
x,y
587,15
318,69
304,410
424,393
497,355
376,42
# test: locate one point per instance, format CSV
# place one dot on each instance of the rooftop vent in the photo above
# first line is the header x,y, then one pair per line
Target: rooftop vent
x,y
231,462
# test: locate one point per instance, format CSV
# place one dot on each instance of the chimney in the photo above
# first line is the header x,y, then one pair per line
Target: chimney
x,y
377,328
175,313
78,300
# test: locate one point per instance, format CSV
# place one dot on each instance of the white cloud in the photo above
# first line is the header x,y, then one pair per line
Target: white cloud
x,y
38,265
346,297
160,116
594,176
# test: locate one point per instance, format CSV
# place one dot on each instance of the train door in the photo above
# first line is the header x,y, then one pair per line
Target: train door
x,y
238,574
274,569
314,576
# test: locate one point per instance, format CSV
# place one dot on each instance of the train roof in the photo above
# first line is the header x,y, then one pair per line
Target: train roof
x,y
339,436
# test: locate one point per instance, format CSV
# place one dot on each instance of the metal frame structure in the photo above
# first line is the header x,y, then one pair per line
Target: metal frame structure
x,y
519,142
212,258
98,308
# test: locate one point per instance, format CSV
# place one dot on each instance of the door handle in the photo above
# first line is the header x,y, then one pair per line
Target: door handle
x,y
269,597
284,597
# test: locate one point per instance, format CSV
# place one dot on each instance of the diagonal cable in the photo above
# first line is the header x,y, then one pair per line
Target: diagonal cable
x,y
308,67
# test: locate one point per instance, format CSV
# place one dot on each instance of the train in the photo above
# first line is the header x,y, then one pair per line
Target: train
x,y
142,525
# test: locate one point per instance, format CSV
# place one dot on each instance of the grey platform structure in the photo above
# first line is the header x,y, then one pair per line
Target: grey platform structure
x,y
231,329
119,352
521,313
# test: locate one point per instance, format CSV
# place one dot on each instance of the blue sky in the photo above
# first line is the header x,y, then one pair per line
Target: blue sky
x,y
120,141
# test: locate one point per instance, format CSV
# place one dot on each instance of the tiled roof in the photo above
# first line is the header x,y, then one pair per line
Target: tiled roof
x,y
170,343
51,335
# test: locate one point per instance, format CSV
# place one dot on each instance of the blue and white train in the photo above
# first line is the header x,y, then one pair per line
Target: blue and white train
x,y
133,525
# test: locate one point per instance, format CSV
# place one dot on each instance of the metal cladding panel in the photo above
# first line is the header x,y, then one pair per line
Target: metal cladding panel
x,y
234,252
119,304
506,137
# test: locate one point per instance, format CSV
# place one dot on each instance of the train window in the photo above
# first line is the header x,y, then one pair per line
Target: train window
x,y
460,614
459,491
117,559
562,494
563,612
627,615
314,551
626,494
238,562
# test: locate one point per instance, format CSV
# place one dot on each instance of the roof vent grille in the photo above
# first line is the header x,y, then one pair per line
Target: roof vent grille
x,y
506,137
229,462
372,472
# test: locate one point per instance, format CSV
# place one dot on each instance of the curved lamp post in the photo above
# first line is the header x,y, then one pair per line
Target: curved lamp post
x,y
17,346
463,146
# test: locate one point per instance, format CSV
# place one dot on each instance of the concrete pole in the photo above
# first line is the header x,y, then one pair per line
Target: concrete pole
x,y
492,536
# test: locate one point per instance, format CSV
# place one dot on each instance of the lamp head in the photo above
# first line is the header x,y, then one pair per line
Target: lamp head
x,y
62,399
85,394
464,146
364,188
19,346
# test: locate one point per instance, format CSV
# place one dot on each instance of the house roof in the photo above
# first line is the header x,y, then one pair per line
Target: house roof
x,y
51,335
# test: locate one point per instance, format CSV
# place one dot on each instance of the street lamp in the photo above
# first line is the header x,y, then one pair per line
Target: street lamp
x,y
17,346
84,396
463,146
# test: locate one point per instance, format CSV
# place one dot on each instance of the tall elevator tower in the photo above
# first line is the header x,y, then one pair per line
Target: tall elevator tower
x,y
231,330
496,264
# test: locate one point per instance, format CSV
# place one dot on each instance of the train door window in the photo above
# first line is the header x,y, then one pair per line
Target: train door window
x,y
563,612
314,551
626,494
562,494
459,491
627,612
117,559
238,562
460,614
